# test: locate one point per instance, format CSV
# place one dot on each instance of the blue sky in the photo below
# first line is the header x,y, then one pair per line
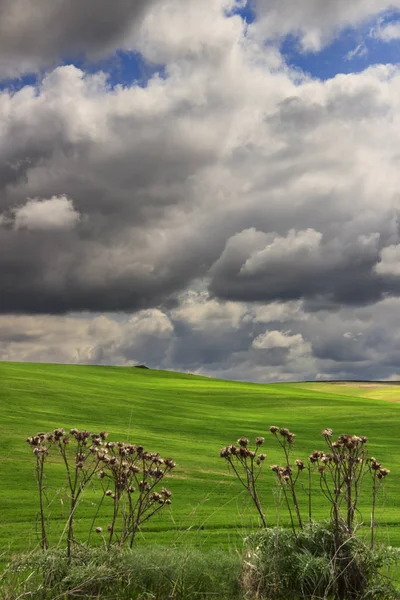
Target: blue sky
x,y
352,51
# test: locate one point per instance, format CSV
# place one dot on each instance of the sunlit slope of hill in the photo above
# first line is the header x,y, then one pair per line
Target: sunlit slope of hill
x,y
188,418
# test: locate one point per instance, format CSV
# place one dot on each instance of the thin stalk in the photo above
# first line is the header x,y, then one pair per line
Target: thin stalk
x,y
115,515
256,500
309,495
288,505
374,494
99,505
40,467
349,497
286,449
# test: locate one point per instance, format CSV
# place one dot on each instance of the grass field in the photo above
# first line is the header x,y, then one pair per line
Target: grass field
x,y
188,418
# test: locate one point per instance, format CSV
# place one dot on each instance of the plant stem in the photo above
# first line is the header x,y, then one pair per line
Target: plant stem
x,y
374,493
40,467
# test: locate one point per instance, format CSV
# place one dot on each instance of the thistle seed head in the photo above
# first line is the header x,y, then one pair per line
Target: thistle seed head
x,y
327,432
243,442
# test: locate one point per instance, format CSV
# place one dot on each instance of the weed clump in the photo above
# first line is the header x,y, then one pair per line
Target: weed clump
x,y
282,565
313,560
127,474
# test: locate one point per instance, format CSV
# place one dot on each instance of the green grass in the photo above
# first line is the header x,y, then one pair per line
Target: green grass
x,y
188,418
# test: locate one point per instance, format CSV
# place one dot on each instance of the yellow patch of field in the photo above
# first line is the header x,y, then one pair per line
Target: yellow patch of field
x,y
364,389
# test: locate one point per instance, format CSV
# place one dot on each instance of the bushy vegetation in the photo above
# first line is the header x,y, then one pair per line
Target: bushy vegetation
x,y
139,574
282,565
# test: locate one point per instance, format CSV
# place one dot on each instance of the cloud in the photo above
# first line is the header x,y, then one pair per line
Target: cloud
x,y
95,339
37,35
57,213
277,339
359,51
387,32
389,263
296,245
153,171
258,266
316,22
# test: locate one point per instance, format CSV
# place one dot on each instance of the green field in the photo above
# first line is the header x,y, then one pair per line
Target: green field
x,y
188,418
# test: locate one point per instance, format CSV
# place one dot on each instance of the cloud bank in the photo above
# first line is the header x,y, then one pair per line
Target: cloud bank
x,y
233,216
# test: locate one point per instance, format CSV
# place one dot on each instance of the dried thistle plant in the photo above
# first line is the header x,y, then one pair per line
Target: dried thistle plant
x,y
40,444
378,473
130,472
133,475
247,465
288,475
80,451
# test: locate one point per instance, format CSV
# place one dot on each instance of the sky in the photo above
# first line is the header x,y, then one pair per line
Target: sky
x,y
203,187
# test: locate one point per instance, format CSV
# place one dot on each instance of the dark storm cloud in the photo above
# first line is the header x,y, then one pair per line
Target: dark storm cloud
x,y
259,267
40,33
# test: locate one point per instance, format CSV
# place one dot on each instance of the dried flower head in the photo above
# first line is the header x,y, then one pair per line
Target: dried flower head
x,y
327,432
260,441
224,453
290,437
273,429
243,442
99,529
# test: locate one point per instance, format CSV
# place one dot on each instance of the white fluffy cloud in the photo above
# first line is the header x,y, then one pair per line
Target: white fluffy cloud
x,y
277,339
53,214
390,261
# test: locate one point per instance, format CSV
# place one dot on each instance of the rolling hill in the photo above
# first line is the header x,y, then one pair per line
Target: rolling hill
x,y
188,418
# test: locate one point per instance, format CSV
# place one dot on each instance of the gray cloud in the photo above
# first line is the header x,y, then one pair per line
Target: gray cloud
x,y
257,266
38,34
